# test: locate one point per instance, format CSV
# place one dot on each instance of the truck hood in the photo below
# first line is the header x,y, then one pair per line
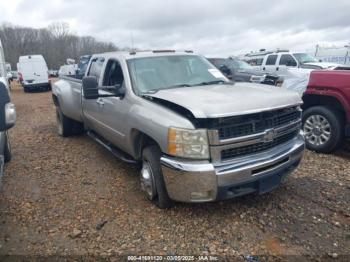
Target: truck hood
x,y
325,65
213,101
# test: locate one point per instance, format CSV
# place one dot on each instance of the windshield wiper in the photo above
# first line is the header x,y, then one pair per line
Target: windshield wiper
x,y
153,91
214,83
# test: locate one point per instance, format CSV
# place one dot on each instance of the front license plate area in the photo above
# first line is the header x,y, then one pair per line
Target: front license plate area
x,y
269,183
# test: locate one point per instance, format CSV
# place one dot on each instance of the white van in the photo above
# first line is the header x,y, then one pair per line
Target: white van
x,y
33,73
3,72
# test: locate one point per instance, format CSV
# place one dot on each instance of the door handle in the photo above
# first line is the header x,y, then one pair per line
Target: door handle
x,y
264,68
277,68
100,102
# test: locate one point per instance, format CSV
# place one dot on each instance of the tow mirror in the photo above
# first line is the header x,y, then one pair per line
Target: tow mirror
x,y
90,87
120,91
7,109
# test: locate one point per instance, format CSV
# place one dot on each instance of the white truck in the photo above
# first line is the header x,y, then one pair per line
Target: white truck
x,y
280,61
33,73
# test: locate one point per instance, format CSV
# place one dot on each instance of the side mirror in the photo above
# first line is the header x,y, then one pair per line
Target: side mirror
x,y
7,109
90,87
120,91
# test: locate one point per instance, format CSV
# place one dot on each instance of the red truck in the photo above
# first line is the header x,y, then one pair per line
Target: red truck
x,y
326,117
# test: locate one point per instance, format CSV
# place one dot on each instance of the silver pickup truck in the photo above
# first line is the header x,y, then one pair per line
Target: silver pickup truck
x,y
198,136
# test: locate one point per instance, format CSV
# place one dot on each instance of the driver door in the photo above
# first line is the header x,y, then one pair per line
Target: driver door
x,y
112,109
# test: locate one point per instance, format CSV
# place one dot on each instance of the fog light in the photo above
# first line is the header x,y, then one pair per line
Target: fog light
x,y
205,195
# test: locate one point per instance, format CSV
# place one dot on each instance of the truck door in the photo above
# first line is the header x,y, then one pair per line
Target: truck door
x,y
91,107
284,62
269,64
113,109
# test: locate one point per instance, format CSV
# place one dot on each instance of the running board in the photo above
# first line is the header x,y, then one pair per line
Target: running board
x,y
114,150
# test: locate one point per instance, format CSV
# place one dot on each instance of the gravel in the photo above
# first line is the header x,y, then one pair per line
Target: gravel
x,y
69,196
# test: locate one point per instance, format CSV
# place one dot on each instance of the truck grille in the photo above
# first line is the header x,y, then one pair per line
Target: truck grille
x,y
256,148
256,123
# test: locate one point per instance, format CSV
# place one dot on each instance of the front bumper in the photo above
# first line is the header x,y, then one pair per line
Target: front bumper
x,y
202,181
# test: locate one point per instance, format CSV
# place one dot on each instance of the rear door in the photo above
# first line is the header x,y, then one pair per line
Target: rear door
x,y
270,63
40,71
26,69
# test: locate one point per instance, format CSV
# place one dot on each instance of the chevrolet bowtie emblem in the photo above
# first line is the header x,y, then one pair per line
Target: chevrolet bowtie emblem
x,y
269,135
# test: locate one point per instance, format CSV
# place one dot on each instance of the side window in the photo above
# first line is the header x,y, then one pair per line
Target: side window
x,y
271,60
113,74
287,60
96,67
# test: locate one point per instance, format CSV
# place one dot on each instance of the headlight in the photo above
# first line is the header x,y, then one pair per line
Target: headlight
x,y
10,114
188,143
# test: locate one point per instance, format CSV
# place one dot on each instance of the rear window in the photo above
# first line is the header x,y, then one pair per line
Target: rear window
x,y
271,60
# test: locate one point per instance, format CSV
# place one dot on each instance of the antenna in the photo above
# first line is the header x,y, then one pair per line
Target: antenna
x,y
132,41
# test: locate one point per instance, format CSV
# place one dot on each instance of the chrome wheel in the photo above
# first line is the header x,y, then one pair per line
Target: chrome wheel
x,y
317,130
59,123
147,180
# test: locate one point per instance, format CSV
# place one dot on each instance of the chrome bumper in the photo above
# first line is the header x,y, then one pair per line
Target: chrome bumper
x,y
202,181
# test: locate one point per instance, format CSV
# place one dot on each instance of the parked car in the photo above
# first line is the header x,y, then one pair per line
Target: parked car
x,y
53,73
7,120
240,71
278,62
326,117
33,73
197,136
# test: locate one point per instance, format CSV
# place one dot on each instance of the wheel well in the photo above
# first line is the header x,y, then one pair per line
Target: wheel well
x,y
55,100
320,100
141,140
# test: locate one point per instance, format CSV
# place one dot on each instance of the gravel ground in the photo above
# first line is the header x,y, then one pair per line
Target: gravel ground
x,y
69,196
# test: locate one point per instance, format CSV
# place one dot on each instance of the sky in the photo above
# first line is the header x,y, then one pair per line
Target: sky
x,y
209,27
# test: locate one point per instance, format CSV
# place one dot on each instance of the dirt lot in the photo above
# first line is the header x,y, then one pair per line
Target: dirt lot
x,y
71,197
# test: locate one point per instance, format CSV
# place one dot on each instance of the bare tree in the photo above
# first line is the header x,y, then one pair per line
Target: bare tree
x,y
56,43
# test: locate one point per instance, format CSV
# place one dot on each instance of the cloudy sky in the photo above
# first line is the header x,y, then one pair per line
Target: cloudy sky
x,y
220,27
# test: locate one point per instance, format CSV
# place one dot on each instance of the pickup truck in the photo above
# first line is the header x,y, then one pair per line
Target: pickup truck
x,y
197,136
326,117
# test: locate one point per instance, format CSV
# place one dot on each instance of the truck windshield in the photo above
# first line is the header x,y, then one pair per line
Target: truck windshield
x,y
151,74
239,64
305,58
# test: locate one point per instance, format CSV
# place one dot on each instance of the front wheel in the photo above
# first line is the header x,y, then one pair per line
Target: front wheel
x,y
323,129
152,181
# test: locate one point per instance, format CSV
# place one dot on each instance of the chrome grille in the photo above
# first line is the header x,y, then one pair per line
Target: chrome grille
x,y
256,148
251,134
255,123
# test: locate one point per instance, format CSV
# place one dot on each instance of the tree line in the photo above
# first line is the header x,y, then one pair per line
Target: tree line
x,y
56,43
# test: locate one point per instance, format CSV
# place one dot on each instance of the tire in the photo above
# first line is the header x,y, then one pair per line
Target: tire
x,y
25,89
7,150
151,157
319,123
66,126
